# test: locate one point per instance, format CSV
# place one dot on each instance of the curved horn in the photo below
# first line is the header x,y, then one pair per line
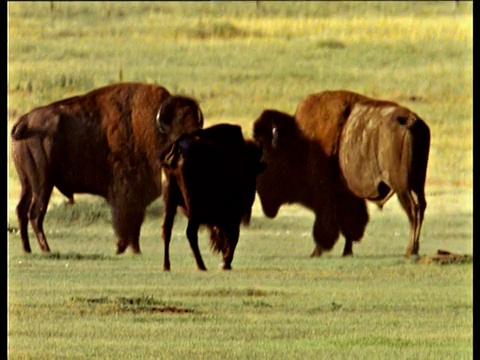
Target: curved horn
x,y
274,137
161,126
200,118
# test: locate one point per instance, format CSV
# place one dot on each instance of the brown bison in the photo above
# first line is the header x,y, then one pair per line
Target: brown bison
x,y
211,174
106,143
339,149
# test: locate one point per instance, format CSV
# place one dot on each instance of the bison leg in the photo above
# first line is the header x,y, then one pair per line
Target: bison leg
x,y
167,235
353,218
24,167
414,205
317,251
22,214
136,220
36,213
325,233
172,198
168,219
192,235
127,224
232,235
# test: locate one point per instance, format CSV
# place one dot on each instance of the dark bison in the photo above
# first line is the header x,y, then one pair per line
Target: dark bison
x,y
106,143
339,149
211,174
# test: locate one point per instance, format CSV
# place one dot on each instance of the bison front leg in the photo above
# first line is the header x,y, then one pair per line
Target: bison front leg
x,y
168,219
127,223
353,219
348,248
325,233
317,251
172,198
192,235
136,221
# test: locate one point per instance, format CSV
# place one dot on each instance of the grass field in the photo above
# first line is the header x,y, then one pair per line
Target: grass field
x,y
239,58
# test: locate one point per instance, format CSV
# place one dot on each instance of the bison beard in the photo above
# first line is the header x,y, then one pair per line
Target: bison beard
x,y
105,143
211,174
340,149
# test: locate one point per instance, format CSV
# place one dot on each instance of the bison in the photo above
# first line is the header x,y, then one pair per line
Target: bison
x,y
211,174
340,149
105,142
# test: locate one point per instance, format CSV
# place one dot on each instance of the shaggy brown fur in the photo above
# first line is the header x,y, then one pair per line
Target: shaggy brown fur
x,y
339,149
105,143
211,174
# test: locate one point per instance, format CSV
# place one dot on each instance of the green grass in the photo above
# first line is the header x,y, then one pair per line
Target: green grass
x,y
276,303
82,301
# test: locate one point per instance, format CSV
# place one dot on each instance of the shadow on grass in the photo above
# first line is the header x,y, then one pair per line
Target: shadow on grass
x,y
70,256
397,259
120,305
88,212
230,292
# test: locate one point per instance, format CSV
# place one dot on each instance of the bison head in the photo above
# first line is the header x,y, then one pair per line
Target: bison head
x,y
277,134
273,130
177,115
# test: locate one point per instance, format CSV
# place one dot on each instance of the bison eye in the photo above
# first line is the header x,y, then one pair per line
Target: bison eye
x,y
402,120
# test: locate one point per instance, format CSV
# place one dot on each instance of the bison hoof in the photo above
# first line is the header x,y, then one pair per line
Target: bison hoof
x,y
121,247
409,255
224,266
136,251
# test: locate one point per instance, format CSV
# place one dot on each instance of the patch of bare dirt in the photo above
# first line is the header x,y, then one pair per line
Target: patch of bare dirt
x,y
443,257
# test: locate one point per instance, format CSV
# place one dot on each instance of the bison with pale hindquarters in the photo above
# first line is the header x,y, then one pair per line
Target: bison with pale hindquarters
x,y
105,142
338,150
211,174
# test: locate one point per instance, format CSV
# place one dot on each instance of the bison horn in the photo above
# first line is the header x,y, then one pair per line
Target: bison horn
x,y
161,125
274,137
200,118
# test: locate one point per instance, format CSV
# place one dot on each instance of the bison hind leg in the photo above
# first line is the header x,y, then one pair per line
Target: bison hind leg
x,y
414,205
325,233
232,234
22,215
36,213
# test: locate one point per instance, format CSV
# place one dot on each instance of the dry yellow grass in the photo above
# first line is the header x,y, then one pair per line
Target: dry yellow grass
x,y
365,29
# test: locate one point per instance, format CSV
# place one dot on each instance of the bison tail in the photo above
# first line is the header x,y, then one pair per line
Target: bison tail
x,y
20,129
420,148
45,125
217,239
